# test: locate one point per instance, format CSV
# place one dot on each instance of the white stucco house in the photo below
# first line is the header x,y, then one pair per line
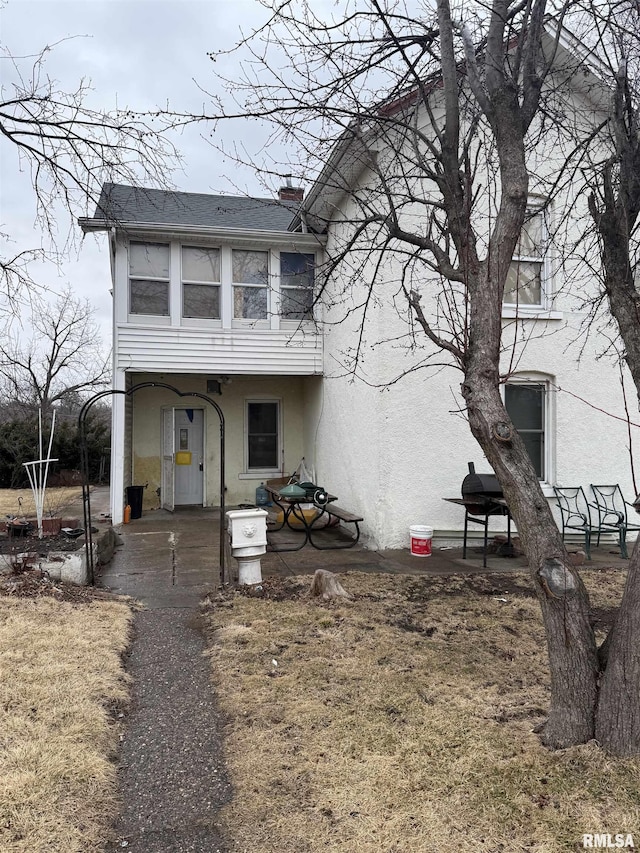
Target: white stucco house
x,y
217,295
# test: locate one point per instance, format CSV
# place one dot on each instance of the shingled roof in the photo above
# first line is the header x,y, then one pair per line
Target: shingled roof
x,y
125,204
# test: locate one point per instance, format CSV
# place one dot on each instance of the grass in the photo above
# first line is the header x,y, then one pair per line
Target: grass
x,y
20,501
403,721
61,678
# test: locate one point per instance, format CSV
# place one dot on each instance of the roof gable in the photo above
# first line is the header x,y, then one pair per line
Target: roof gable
x,y
354,150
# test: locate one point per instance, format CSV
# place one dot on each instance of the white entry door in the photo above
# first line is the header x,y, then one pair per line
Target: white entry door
x,y
183,458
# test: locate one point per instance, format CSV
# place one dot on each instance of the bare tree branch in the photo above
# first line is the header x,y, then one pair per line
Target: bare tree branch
x,y
69,149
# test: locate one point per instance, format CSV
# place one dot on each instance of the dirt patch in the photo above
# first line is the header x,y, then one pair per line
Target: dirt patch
x,y
36,584
274,589
404,719
29,542
418,591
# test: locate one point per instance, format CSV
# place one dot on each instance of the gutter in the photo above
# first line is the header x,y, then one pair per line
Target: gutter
x,y
89,225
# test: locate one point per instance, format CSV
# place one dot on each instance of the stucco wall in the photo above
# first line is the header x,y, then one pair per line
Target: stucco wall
x,y
392,448
394,454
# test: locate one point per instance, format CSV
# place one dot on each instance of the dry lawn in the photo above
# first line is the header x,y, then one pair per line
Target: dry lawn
x,y
20,501
403,721
61,679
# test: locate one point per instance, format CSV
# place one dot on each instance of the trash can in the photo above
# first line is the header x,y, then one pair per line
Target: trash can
x,y
134,499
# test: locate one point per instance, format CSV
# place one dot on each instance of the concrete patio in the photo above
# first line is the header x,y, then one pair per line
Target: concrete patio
x,y
172,559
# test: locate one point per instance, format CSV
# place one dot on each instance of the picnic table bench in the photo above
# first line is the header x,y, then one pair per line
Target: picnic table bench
x,y
294,509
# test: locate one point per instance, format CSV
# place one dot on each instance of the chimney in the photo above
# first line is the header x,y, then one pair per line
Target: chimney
x,y
289,193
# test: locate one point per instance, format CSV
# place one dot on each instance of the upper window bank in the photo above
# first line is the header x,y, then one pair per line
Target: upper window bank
x,y
220,285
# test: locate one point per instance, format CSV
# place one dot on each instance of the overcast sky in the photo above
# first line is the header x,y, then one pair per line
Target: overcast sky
x,y
139,53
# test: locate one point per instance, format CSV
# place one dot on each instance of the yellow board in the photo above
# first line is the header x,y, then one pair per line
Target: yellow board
x,y
183,457
309,515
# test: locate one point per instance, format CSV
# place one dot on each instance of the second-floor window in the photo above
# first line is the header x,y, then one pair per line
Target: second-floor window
x,y
201,283
149,278
296,285
221,286
250,273
525,285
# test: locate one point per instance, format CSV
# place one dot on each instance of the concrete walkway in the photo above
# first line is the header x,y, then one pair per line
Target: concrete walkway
x,y
172,776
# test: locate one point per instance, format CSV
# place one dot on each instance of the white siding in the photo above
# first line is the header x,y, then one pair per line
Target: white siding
x,y
167,349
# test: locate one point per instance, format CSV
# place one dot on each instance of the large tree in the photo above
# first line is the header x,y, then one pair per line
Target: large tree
x,y
437,175
614,204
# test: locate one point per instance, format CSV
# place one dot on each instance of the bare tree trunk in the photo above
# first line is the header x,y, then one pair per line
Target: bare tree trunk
x,y
618,713
615,206
563,598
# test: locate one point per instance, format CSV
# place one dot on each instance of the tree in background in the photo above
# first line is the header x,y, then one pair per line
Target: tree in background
x,y
56,367
62,357
19,443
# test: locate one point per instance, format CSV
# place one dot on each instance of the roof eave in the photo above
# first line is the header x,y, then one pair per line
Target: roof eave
x,y
349,156
90,225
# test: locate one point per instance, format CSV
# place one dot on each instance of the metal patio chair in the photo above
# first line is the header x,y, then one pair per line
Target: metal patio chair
x,y
612,512
576,517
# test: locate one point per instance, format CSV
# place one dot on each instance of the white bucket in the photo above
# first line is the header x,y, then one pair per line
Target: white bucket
x,y
421,537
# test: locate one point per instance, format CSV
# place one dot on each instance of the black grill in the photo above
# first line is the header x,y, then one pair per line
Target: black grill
x,y
482,496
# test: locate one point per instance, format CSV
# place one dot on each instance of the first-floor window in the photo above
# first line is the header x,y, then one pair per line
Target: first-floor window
x,y
263,434
526,404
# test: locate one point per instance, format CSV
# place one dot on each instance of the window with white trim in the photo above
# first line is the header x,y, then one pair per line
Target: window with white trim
x,y
525,285
296,285
149,279
526,403
250,275
200,283
263,435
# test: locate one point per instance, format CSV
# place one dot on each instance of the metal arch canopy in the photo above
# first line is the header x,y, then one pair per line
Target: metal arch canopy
x,y
84,453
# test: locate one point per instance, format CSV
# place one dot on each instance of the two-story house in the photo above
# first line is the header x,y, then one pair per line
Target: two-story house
x,y
219,295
